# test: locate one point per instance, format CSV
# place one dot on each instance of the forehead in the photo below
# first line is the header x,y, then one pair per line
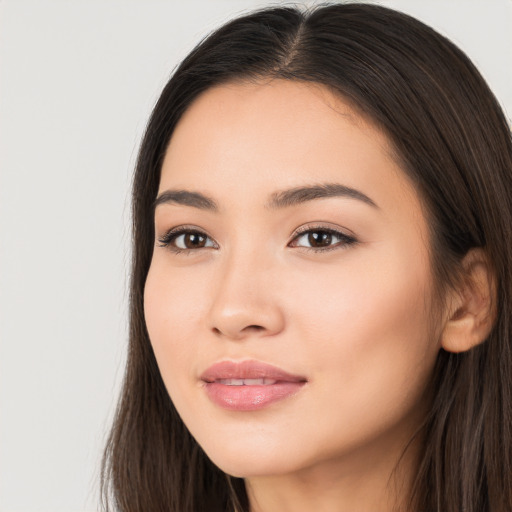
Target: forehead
x,y
274,110
250,139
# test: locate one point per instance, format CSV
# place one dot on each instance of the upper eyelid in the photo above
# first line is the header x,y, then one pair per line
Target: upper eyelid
x,y
322,227
297,231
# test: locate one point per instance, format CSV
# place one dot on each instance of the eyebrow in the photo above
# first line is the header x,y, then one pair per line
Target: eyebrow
x,y
186,198
278,200
294,196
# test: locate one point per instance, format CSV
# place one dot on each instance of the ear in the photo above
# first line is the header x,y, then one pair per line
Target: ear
x,y
471,308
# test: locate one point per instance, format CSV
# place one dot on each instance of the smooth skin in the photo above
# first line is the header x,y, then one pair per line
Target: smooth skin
x,y
354,316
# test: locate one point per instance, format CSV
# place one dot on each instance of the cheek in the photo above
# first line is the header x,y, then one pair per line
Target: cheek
x,y
361,294
368,331
172,309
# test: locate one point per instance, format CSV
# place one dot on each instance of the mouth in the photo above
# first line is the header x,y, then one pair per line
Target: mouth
x,y
246,382
249,385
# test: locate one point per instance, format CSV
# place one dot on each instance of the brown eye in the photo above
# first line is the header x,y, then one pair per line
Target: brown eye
x,y
319,239
192,241
182,240
322,240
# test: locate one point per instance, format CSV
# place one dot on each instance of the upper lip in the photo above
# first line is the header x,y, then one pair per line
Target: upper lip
x,y
248,370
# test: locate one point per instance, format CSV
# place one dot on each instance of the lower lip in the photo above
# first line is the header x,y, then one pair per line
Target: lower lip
x,y
250,398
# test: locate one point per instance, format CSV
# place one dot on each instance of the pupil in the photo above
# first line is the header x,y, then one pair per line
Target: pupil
x,y
319,239
194,240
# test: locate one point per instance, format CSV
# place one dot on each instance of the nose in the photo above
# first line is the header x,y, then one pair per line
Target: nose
x,y
245,301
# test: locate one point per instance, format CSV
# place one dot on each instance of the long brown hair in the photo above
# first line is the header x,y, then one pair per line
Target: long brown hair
x,y
452,140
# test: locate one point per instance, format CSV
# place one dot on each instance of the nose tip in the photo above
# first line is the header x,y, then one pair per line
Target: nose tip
x,y
248,320
244,305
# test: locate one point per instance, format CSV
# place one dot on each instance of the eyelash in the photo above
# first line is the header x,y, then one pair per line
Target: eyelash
x,y
170,237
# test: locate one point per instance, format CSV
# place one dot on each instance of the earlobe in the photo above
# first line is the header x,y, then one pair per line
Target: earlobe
x,y
471,313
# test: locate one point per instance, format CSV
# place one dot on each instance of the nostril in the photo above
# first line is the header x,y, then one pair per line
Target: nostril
x,y
247,329
253,327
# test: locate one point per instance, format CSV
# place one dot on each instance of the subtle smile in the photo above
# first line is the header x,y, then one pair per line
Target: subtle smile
x,y
249,385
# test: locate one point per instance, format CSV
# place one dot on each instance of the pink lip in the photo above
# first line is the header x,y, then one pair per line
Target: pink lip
x,y
253,396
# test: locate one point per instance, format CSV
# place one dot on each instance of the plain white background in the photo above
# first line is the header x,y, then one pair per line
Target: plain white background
x,y
77,82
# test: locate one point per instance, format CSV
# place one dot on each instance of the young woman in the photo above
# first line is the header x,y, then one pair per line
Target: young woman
x,y
321,288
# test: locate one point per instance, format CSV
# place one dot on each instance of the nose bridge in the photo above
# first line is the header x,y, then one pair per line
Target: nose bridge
x,y
244,301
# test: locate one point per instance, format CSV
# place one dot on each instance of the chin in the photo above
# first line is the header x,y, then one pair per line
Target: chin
x,y
244,460
250,469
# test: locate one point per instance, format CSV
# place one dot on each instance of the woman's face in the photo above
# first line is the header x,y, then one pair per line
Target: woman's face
x,y
290,317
